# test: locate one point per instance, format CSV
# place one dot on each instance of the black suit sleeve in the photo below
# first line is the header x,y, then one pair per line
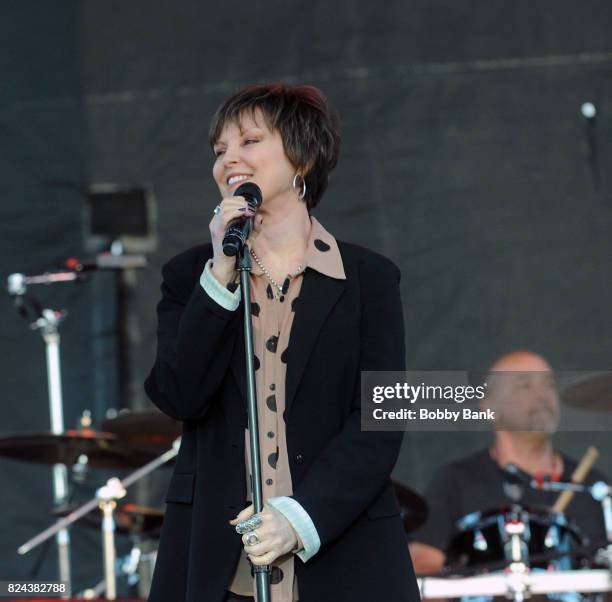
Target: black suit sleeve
x,y
195,340
356,465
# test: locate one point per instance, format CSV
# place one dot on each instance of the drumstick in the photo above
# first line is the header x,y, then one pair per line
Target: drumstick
x,y
578,476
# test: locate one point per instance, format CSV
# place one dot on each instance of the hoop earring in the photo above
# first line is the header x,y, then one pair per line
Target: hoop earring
x,y
302,193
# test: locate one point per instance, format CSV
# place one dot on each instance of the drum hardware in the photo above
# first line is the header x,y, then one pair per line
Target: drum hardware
x,y
106,499
527,539
533,583
81,448
131,520
129,564
552,538
578,553
80,469
601,492
517,587
47,322
514,538
92,593
84,449
480,543
107,502
143,428
515,548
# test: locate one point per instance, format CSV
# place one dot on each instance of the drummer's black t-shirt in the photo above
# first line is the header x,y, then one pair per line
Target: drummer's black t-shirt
x,y
477,483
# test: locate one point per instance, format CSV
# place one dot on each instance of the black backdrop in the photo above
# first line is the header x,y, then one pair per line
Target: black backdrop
x,y
465,159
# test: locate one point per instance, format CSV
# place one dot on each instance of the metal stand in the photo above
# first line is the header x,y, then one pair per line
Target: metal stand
x,y
106,499
262,573
47,322
48,325
517,553
108,496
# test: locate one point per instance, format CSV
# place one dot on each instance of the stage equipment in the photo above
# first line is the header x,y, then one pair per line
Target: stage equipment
x,y
106,499
96,450
515,586
47,322
601,492
143,428
515,536
243,266
121,214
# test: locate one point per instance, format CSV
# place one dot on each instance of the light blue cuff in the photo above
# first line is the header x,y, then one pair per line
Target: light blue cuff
x,y
217,292
301,522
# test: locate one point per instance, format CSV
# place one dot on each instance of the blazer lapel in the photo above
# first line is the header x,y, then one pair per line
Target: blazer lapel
x,y
317,297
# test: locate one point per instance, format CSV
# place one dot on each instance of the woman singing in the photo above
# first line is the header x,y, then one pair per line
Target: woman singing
x,y
323,311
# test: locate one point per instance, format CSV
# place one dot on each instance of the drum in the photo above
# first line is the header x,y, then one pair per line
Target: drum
x,y
496,538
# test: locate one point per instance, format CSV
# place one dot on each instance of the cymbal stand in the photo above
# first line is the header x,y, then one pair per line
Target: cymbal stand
x,y
47,323
108,496
106,500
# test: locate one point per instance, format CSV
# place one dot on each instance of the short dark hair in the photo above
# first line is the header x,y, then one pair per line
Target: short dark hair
x,y
307,124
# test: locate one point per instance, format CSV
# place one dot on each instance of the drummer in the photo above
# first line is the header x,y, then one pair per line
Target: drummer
x,y
529,402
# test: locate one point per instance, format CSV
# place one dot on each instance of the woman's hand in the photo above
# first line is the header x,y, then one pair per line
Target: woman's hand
x,y
232,208
276,536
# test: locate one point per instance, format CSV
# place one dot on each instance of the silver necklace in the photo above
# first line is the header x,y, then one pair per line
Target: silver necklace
x,y
279,289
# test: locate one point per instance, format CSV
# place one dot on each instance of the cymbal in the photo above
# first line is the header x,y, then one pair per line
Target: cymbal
x,y
144,428
593,392
130,519
413,507
103,450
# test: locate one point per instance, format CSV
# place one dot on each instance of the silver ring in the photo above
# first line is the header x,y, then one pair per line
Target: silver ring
x,y
217,209
244,526
252,539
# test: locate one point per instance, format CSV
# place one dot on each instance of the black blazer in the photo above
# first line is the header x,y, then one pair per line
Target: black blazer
x,y
340,474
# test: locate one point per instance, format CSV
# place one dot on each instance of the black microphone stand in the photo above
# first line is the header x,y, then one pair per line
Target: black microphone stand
x,y
243,266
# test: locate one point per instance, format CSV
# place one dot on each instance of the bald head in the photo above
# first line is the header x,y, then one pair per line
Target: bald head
x,y
520,361
521,389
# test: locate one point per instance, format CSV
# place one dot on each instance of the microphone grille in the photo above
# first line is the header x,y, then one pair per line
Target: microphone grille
x,y
251,192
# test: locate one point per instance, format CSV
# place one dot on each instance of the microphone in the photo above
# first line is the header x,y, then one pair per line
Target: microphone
x,y
515,481
515,475
239,229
